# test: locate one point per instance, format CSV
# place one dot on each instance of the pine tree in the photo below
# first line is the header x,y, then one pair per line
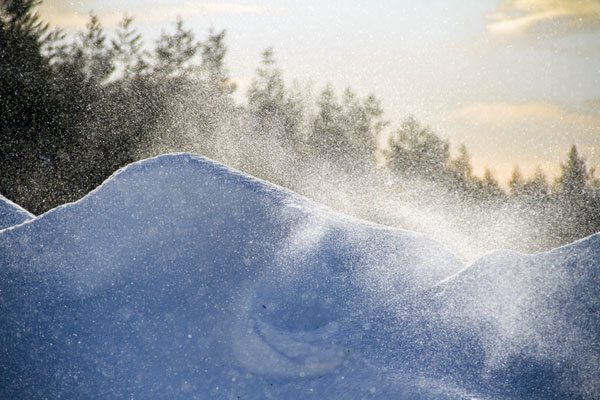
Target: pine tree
x,y
213,61
417,151
174,51
490,188
578,207
516,182
28,107
24,74
537,186
127,49
94,57
272,112
328,137
461,170
363,123
574,175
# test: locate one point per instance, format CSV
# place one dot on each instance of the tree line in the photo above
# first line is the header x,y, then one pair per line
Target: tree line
x,y
75,109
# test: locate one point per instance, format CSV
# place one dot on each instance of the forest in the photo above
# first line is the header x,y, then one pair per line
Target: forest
x,y
75,108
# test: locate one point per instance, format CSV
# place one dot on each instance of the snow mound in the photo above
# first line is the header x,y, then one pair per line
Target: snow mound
x,y
180,278
12,214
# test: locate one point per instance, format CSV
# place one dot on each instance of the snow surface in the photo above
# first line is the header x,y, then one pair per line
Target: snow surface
x,y
179,278
12,214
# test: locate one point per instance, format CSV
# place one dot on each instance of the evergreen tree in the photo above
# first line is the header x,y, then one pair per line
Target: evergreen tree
x,y
24,77
461,172
29,108
490,188
537,187
328,137
417,151
363,123
346,132
267,90
576,205
94,57
272,111
127,49
213,61
193,101
516,182
174,51
574,175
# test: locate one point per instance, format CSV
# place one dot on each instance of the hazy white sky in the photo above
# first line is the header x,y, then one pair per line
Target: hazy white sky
x,y
517,81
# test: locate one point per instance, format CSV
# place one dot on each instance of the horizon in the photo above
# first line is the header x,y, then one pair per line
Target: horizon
x,y
517,82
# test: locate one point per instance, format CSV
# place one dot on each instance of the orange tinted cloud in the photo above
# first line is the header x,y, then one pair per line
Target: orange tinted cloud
x,y
508,113
58,14
544,17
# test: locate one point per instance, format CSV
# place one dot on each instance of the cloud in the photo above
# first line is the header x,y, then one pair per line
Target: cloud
x,y
539,121
196,10
544,17
509,113
592,106
532,134
60,14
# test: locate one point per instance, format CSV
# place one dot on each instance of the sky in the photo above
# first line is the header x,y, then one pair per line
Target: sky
x,y
516,81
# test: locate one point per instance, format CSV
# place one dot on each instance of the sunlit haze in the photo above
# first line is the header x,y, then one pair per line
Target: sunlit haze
x,y
516,81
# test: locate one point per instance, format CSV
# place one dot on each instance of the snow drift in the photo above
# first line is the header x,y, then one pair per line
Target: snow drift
x,y
179,278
